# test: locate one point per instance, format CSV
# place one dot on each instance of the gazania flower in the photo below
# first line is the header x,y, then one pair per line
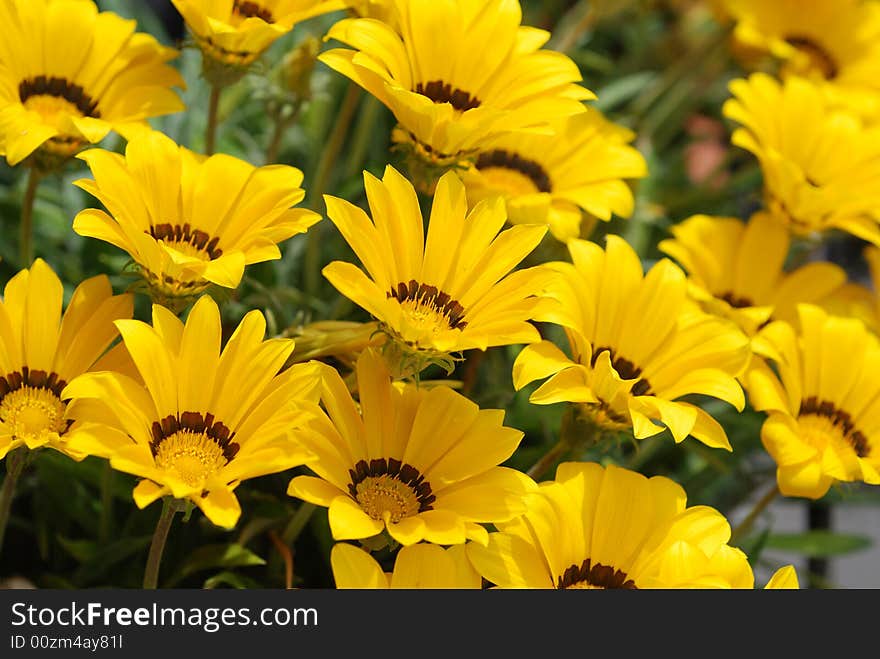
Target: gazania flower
x,y
418,462
41,350
824,404
834,42
596,527
236,32
417,566
638,344
204,419
69,75
449,101
736,269
450,291
554,179
821,166
187,221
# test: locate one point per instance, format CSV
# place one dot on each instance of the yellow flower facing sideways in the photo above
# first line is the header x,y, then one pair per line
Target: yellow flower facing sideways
x,y
41,350
638,344
189,221
836,43
823,402
821,165
451,290
418,462
600,527
737,269
204,419
236,32
555,179
456,73
417,566
70,74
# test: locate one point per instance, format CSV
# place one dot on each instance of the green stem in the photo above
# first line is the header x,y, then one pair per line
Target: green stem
x,y
281,124
329,155
15,462
580,18
211,128
363,133
550,458
106,501
749,520
27,218
151,574
298,523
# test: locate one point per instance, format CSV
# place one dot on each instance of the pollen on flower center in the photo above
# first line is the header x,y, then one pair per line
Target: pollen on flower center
x,y
442,92
387,486
822,422
192,242
428,307
51,95
513,173
30,404
589,575
192,445
817,54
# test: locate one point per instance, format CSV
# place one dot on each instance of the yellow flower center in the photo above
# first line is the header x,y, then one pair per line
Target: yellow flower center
x,y
52,96
428,309
30,405
389,488
590,576
192,446
512,174
186,239
822,424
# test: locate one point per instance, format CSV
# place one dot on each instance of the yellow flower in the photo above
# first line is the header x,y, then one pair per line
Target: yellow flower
x,y
457,73
821,166
418,462
451,291
417,566
204,419
69,75
854,300
236,32
638,344
606,527
736,269
785,578
824,404
553,178
382,10
41,350
834,42
187,221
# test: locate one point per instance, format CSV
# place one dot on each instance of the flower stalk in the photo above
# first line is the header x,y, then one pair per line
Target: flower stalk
x,y
15,463
170,506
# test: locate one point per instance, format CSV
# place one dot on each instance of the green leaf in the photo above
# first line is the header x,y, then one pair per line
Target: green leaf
x,y
818,543
233,579
216,556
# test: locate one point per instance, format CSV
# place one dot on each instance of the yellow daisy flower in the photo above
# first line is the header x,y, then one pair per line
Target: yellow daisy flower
x,y
204,419
606,527
452,290
736,269
834,42
417,462
41,350
554,179
821,166
447,100
69,75
187,221
854,300
417,566
638,344
824,404
235,33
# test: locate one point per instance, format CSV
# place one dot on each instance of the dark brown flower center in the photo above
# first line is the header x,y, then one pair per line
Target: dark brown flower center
x,y
625,369
194,424
594,575
442,92
818,55
429,299
251,10
60,88
736,301
186,235
841,419
508,160
390,486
